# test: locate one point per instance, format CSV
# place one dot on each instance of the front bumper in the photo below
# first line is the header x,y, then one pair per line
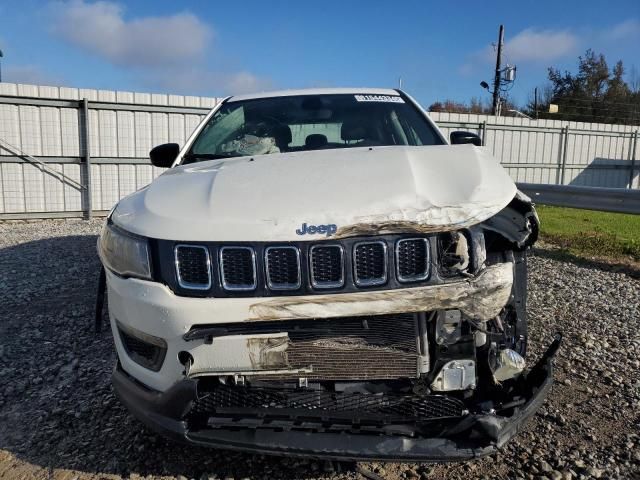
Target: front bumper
x,y
152,309
471,436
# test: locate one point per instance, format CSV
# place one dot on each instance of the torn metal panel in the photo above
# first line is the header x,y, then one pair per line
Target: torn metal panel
x,y
241,353
481,297
428,219
518,222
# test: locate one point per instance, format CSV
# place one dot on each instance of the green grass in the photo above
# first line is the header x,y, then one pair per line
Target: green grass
x,y
587,232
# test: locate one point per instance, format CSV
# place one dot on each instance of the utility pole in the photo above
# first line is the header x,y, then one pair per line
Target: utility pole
x,y
496,81
535,101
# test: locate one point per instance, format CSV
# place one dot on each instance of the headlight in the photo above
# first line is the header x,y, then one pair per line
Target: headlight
x,y
124,253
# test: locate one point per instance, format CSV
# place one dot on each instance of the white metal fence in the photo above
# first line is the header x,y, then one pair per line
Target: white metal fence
x,y
69,152
555,152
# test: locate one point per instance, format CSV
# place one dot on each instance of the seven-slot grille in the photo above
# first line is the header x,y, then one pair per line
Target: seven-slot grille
x,y
193,267
327,266
283,268
370,263
412,259
238,268
294,268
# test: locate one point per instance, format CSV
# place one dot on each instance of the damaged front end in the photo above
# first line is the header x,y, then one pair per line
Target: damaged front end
x,y
428,365
387,423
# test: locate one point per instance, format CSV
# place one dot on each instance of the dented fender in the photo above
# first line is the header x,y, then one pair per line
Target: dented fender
x,y
518,222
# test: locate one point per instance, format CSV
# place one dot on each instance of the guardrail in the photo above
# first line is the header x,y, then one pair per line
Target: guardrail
x,y
590,198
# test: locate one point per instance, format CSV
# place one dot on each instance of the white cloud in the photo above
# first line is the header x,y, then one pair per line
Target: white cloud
x,y
100,29
245,82
527,46
540,45
206,82
28,74
167,52
625,30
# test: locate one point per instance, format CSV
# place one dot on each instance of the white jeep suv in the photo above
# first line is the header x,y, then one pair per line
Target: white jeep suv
x,y
319,272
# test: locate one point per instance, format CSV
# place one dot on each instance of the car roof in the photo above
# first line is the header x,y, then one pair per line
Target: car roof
x,y
315,91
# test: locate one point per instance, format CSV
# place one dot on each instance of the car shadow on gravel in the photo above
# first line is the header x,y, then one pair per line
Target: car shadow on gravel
x,y
58,410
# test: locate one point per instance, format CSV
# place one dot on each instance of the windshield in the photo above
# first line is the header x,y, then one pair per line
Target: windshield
x,y
311,122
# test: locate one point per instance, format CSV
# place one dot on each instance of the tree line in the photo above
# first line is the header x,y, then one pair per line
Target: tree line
x,y
595,93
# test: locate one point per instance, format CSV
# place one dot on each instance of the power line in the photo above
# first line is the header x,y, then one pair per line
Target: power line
x,y
549,116
599,107
603,101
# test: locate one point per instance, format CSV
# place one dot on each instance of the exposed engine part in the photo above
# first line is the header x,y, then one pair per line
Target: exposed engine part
x,y
448,327
186,359
453,346
345,348
424,362
455,375
497,321
510,364
480,338
454,253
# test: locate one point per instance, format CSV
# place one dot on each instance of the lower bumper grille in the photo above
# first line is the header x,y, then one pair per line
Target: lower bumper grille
x,y
234,406
229,397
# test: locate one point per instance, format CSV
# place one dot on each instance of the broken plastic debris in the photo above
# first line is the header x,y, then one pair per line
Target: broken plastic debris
x,y
510,365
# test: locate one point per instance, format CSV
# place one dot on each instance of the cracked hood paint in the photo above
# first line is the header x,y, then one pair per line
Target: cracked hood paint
x,y
360,190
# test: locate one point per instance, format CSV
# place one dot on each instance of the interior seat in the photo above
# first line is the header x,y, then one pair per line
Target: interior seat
x,y
283,137
358,128
315,140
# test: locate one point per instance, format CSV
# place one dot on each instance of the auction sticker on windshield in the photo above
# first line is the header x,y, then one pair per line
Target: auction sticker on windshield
x,y
379,98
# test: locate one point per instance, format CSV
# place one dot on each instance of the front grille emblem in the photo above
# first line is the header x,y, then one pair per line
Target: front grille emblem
x,y
328,230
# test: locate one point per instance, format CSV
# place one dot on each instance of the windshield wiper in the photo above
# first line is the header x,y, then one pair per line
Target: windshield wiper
x,y
194,157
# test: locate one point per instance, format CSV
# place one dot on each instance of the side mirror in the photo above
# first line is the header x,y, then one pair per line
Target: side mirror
x,y
164,155
459,137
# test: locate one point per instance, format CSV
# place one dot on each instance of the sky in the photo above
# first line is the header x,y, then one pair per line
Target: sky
x,y
441,50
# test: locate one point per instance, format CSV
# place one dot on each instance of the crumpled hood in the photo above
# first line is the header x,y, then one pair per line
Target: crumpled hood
x,y
360,190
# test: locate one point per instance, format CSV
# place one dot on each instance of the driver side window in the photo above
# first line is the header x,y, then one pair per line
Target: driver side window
x,y
221,128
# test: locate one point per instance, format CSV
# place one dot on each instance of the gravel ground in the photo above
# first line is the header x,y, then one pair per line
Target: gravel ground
x,y
59,417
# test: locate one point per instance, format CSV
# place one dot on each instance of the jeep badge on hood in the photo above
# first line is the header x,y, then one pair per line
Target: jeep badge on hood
x,y
329,229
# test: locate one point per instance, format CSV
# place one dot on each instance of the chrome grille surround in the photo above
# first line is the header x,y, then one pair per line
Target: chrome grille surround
x,y
400,259
237,287
180,263
315,282
325,266
282,286
357,264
